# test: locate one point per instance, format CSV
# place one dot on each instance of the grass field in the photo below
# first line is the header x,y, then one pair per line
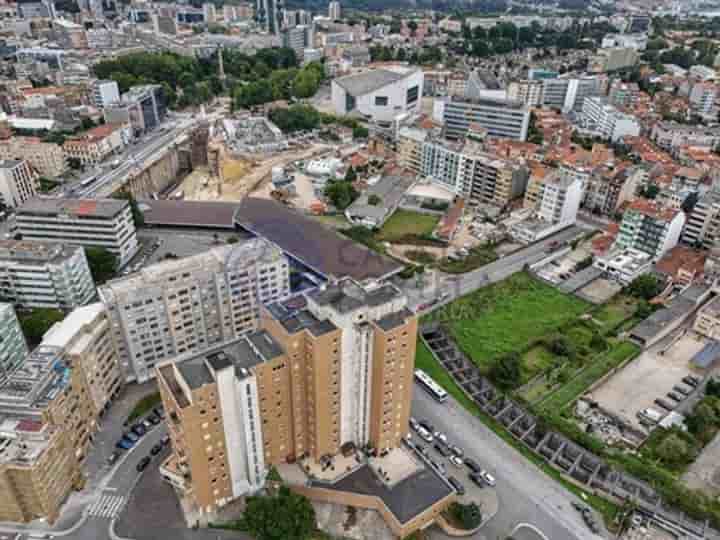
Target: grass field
x,y
404,224
617,310
508,316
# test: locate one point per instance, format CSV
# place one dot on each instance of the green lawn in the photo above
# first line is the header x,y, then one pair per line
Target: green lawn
x,y
614,312
404,224
537,359
508,316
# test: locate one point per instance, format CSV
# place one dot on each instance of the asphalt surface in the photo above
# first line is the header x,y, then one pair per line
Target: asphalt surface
x,y
525,493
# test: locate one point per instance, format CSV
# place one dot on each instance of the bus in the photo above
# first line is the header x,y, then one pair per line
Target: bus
x,y
430,386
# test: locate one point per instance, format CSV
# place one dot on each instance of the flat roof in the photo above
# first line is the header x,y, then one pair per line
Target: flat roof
x,y
207,214
369,81
51,206
406,499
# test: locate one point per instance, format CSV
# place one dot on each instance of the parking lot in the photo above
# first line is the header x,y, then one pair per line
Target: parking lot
x,y
651,376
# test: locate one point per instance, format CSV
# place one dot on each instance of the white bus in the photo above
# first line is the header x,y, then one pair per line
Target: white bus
x,y
432,388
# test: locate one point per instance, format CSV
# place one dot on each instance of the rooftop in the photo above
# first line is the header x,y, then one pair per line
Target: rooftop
x,y
652,209
346,295
296,320
39,252
369,81
61,333
48,206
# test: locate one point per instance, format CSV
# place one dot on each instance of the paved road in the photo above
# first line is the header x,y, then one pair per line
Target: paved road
x,y
525,493
501,269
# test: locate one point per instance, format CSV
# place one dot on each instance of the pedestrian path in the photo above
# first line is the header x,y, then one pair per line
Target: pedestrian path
x,y
107,506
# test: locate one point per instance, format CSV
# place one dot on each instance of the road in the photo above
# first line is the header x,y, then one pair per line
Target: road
x,y
525,493
456,286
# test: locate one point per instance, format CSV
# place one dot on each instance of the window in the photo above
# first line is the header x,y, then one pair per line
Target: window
x,y
412,95
381,101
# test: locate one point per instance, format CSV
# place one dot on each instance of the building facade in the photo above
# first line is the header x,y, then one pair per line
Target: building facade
x,y
183,306
501,118
101,223
104,93
13,347
47,159
650,228
18,182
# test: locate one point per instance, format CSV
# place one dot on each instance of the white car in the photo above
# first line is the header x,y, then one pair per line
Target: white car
x,y
456,461
440,436
488,478
425,435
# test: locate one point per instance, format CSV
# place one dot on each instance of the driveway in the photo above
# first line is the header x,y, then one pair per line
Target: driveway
x,y
525,494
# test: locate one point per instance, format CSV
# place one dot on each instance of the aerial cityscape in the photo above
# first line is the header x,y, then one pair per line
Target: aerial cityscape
x,y
360,270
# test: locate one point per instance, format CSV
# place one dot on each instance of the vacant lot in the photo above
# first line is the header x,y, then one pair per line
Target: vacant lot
x,y
509,317
652,375
404,226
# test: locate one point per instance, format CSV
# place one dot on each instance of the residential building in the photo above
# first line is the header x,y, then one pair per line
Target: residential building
x,y
528,92
47,159
410,148
327,370
623,94
18,182
632,41
671,136
13,348
44,275
181,307
379,95
268,15
702,97
298,38
703,73
614,59
85,337
95,145
358,56
578,90
103,223
648,227
624,265
608,122
501,118
639,24
609,187
334,11
150,105
559,200
104,93
554,92
703,222
69,35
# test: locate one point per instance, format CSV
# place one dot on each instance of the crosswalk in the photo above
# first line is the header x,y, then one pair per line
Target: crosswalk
x,y
107,506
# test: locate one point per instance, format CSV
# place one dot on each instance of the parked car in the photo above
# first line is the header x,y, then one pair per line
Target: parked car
x,y
132,437
113,458
139,430
142,464
455,449
165,440
456,461
442,449
160,411
457,485
664,404
147,424
472,465
675,396
425,435
488,478
477,479
427,426
682,390
124,444
440,436
413,424
155,450
691,380
154,419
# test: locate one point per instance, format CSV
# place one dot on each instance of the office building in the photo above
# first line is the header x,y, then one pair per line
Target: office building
x,y
13,348
648,227
102,223
85,338
18,182
606,121
105,93
44,275
334,11
379,95
47,159
554,92
181,307
150,106
327,370
501,118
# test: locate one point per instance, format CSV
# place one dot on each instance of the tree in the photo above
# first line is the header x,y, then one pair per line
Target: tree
x,y
506,370
374,200
306,83
360,132
468,515
350,175
283,516
646,287
650,191
37,322
341,194
673,449
102,264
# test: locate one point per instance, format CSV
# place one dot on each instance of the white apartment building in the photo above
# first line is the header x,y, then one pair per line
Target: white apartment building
x,y
13,348
631,41
649,227
501,118
671,136
47,159
578,90
559,200
380,95
606,121
105,93
702,97
44,275
101,223
18,182
334,11
184,306
85,340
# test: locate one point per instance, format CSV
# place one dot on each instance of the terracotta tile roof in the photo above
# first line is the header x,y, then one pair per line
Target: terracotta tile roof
x,y
682,258
652,209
